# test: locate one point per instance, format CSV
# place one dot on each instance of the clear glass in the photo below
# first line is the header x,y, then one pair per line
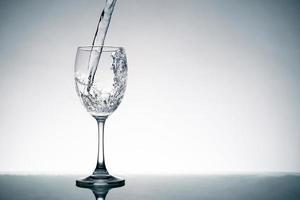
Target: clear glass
x,y
100,79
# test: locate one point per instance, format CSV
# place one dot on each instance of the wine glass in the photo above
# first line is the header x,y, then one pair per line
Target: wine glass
x,y
100,79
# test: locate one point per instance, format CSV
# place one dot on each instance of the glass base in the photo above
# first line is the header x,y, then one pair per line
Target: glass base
x,y
93,181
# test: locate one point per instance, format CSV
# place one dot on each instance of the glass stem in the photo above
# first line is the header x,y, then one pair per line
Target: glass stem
x,y
100,167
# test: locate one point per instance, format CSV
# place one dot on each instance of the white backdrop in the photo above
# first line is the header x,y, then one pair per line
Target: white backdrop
x,y
213,87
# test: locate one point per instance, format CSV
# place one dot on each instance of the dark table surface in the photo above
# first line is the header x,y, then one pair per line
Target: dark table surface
x,y
156,187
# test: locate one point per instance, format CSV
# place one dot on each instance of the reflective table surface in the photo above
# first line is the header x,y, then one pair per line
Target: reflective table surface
x,y
156,187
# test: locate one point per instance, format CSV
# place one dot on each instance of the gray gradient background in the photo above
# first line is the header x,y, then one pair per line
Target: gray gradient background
x,y
213,87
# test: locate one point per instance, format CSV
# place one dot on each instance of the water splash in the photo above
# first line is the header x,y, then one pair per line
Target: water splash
x,y
103,103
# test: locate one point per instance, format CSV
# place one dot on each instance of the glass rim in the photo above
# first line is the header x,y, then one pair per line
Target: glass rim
x,y
89,47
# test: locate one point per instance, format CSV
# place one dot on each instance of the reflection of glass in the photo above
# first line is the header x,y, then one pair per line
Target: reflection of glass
x,y
101,192
100,92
